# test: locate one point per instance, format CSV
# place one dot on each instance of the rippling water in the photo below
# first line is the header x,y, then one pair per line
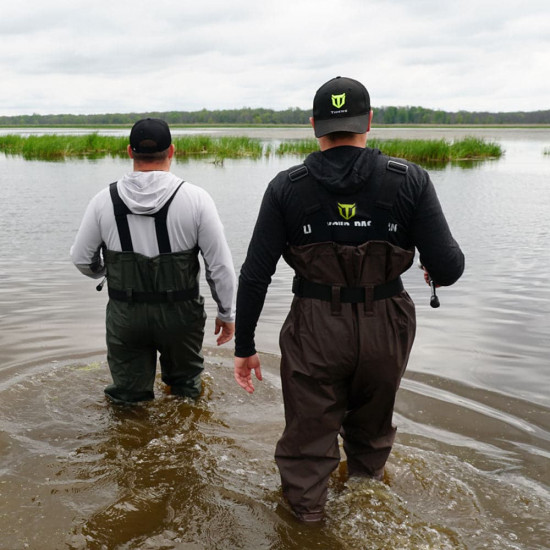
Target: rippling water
x,y
470,468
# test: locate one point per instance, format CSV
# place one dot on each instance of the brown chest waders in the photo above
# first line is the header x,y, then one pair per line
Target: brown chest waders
x,y
345,346
154,306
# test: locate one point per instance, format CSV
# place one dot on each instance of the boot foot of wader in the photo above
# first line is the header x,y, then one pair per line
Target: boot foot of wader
x,y
309,517
191,388
126,397
305,516
363,462
377,476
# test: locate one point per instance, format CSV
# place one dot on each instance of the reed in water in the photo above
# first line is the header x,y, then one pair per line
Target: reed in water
x,y
54,147
415,150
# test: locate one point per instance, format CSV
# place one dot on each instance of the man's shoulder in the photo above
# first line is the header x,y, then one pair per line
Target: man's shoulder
x,y
102,196
192,190
414,173
191,197
293,173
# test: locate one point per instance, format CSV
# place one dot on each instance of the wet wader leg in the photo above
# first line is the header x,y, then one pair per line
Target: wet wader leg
x,y
308,452
131,356
181,358
367,428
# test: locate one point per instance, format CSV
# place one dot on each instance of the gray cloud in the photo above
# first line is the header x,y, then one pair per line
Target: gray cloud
x,y
61,56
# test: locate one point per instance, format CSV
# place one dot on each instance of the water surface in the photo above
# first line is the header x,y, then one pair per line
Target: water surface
x,y
470,468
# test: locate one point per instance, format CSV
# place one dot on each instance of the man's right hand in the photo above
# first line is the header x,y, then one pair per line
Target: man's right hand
x,y
243,371
225,331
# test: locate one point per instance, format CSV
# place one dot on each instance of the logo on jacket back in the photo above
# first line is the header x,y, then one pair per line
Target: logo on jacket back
x,y
338,100
347,211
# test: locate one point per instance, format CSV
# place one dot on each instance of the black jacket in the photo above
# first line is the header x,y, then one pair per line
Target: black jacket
x,y
345,174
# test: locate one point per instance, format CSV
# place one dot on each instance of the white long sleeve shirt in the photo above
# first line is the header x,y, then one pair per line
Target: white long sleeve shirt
x,y
192,221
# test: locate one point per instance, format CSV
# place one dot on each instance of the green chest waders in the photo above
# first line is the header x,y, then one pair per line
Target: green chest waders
x,y
154,307
344,345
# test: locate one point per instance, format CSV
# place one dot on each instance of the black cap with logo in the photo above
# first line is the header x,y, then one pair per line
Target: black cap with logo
x,y
341,105
150,135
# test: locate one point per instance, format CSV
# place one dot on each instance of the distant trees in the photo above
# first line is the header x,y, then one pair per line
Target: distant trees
x,y
247,116
420,115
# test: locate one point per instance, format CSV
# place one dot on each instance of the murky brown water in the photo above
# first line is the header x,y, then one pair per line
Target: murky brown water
x,y
471,465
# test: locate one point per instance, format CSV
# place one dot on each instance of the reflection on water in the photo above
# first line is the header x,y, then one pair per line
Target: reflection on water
x,y
471,465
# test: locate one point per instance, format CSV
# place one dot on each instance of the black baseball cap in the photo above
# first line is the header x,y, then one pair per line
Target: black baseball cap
x,y
150,135
341,105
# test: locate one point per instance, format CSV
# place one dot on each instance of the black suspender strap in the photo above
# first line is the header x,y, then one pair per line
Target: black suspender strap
x,y
160,225
121,213
298,173
393,176
390,174
308,191
121,217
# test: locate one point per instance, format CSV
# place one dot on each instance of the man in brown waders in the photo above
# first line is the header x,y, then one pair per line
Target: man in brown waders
x,y
347,221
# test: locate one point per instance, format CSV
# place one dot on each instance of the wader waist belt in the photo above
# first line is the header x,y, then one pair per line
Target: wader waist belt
x,y
345,294
167,296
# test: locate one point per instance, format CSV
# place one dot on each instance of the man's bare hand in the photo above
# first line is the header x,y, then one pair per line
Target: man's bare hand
x,y
243,371
225,331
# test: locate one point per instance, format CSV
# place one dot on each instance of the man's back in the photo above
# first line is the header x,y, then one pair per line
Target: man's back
x,y
145,232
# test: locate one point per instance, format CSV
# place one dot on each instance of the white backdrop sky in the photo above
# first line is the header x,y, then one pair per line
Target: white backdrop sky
x,y
67,56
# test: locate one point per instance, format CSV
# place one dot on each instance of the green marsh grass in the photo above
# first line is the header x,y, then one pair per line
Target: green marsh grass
x,y
415,150
222,147
56,147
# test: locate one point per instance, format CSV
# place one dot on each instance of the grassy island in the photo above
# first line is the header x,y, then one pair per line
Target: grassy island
x,y
55,146
415,150
94,145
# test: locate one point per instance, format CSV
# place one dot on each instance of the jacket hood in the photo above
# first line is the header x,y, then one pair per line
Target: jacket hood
x,y
147,192
342,169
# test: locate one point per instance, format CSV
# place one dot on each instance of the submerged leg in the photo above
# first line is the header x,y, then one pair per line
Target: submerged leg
x,y
308,452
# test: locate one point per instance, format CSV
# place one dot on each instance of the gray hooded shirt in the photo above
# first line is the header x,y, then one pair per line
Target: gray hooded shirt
x,y
192,221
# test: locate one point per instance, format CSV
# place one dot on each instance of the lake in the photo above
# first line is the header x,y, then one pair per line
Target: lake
x,y
471,464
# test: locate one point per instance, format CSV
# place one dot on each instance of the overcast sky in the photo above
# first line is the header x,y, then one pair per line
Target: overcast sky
x,y
67,56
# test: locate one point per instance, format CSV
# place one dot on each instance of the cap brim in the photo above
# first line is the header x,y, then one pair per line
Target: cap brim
x,y
355,125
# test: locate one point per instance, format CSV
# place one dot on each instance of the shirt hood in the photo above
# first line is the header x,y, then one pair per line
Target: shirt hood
x,y
147,192
342,169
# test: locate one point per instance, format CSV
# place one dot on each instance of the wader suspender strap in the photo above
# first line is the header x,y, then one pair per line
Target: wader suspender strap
x,y
121,217
121,211
308,189
394,173
391,176
160,225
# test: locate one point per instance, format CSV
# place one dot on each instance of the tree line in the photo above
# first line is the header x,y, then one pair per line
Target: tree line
x,y
291,116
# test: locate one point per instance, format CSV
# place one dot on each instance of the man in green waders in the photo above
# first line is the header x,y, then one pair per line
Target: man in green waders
x,y
347,221
144,232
